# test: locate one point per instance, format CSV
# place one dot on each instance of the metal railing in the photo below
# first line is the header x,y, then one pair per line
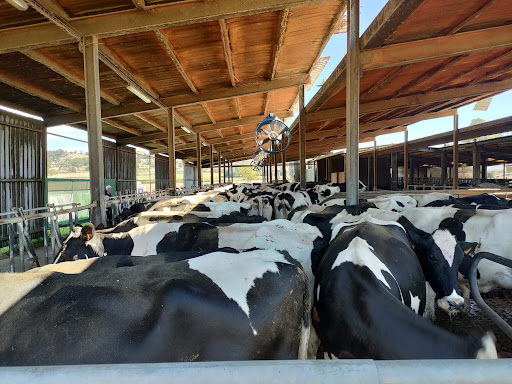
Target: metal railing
x,y
18,220
473,284
269,372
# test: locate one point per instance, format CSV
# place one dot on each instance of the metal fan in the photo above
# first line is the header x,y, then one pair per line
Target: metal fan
x,y
273,135
258,158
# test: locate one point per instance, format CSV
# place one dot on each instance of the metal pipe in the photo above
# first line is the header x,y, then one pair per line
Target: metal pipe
x,y
270,372
11,247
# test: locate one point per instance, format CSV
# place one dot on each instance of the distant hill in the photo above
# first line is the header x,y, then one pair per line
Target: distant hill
x,y
63,164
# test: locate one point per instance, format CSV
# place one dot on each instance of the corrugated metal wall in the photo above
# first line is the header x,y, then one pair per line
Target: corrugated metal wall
x,y
120,163
22,163
161,172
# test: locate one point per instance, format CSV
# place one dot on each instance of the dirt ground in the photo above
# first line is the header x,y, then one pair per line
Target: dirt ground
x,y
500,300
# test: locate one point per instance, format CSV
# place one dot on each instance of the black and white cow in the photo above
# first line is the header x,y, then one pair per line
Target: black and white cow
x,y
285,202
219,306
485,200
369,289
439,253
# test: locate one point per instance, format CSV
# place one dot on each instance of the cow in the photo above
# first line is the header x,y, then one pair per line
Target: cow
x,y
215,307
369,290
145,218
396,203
439,252
285,202
485,200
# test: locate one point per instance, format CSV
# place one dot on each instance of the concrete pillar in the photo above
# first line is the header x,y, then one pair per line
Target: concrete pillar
x,y
394,171
171,149
353,74
94,130
476,164
198,154
455,151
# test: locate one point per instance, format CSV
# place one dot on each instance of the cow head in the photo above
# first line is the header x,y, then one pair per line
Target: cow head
x,y
78,245
440,257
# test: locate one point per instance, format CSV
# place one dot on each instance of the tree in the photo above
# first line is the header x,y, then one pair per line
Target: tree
x,y
248,173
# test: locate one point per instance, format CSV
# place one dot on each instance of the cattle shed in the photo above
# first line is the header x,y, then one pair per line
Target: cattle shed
x,y
192,79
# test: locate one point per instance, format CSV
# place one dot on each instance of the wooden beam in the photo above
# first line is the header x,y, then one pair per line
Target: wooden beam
x,y
66,73
92,100
39,92
455,169
139,4
115,63
417,99
437,47
238,108
236,123
170,52
208,112
472,17
283,22
123,127
132,21
226,49
176,101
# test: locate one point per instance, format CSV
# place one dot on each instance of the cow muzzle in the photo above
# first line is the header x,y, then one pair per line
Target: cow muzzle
x,y
452,304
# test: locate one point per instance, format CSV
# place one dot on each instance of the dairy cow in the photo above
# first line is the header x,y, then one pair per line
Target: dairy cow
x,y
218,306
369,291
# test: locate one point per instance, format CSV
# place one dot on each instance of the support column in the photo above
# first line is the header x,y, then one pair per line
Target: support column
x,y
374,165
198,153
406,160
443,167
283,163
270,168
353,73
302,138
94,131
394,171
171,139
456,151
211,164
275,166
220,180
484,166
476,164
224,166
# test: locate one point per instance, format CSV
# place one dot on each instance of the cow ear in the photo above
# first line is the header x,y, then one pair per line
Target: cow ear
x,y
87,232
415,234
467,247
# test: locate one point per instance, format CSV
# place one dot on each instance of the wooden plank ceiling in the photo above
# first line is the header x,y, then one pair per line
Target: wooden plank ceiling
x,y
222,64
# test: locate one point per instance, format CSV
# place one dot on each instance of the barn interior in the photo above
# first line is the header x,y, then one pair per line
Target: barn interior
x,y
193,80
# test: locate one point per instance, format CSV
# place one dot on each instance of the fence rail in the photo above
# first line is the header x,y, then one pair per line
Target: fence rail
x,y
19,229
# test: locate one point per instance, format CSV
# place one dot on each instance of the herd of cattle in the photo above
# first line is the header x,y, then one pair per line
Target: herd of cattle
x,y
261,272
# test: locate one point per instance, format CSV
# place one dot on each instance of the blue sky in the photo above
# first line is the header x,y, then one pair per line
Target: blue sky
x,y
336,48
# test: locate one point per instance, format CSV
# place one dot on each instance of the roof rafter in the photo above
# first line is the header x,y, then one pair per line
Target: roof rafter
x,y
66,73
175,101
135,21
283,22
42,93
226,49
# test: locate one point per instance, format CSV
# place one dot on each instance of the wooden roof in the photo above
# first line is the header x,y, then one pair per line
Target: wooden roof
x,y
222,64
421,59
